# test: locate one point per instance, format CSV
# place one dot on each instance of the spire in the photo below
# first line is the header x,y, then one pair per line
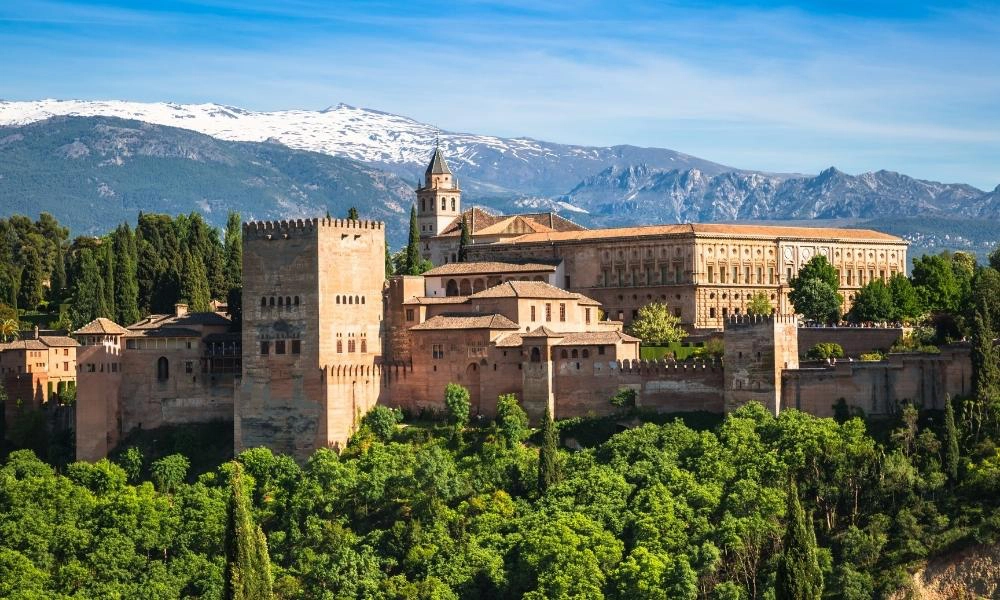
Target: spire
x,y
437,166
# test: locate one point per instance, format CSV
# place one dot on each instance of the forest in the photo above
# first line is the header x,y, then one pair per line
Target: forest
x,y
438,506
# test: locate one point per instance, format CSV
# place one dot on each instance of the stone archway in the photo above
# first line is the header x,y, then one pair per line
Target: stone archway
x,y
451,288
464,288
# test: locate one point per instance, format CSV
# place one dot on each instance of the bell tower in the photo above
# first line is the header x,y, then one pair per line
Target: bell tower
x,y
439,201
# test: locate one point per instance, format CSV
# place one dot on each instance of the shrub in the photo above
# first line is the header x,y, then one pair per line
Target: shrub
x,y
825,350
624,398
872,356
382,421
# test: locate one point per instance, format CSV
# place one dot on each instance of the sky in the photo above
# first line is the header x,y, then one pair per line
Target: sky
x,y
862,86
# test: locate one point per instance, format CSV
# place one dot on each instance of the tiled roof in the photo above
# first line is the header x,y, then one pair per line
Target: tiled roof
x,y
188,320
43,342
436,300
58,341
525,289
488,268
711,229
511,340
163,332
101,326
586,338
543,331
483,222
437,166
23,345
493,321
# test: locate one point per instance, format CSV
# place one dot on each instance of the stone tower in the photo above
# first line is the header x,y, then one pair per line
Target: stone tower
x,y
758,349
312,311
439,201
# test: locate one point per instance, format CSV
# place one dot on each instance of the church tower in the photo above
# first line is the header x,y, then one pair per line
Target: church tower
x,y
439,201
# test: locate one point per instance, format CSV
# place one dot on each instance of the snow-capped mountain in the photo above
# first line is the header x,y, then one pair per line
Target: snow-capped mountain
x,y
487,164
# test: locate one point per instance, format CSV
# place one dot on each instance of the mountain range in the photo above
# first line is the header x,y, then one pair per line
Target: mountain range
x,y
93,162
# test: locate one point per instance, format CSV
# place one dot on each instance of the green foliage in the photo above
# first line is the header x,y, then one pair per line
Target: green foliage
x,y
548,455
951,442
233,244
818,267
937,282
169,472
465,241
825,350
871,356
873,303
759,304
624,398
352,214
414,263
815,299
905,300
382,421
458,406
511,420
655,324
131,462
126,285
798,574
248,566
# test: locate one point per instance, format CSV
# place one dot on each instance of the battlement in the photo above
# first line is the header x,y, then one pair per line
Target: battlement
x,y
751,321
269,229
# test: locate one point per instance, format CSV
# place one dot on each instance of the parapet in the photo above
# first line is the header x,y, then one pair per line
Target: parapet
x,y
264,229
751,321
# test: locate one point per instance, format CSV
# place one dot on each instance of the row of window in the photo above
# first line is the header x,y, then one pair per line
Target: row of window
x,y
622,277
350,299
562,313
747,275
437,352
286,301
34,368
352,345
444,204
281,347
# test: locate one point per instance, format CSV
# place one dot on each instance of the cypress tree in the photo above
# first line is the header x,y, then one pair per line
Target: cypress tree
x,y
413,245
88,289
234,251
798,576
352,214
126,280
985,375
58,281
388,263
248,568
107,256
548,465
30,292
951,453
194,284
465,241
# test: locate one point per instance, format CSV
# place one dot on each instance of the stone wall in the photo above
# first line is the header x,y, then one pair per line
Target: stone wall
x,y
98,401
878,388
854,340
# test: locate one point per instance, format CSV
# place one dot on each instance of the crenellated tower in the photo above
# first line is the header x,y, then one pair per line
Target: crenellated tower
x,y
439,200
312,321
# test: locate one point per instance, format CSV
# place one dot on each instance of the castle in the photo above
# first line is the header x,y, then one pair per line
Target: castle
x,y
538,310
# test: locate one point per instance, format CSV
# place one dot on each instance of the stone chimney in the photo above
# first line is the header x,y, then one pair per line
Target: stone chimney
x,y
180,309
36,332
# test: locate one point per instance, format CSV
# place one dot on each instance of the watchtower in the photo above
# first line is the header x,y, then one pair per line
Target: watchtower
x,y
758,349
439,200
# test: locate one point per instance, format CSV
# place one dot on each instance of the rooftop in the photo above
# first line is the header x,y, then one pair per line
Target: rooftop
x,y
531,289
483,222
587,338
711,230
101,326
488,268
466,321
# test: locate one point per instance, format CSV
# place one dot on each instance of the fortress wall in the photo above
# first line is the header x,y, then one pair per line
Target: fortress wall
x,y
854,340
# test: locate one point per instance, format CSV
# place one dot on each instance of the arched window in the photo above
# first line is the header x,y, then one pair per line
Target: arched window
x,y
296,301
162,368
364,345
562,353
444,204
536,355
586,353
263,301
340,346
279,301
272,301
356,300
423,206
575,354
362,299
452,204
451,288
288,301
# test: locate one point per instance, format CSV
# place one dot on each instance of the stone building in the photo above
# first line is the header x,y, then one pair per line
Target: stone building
x,y
34,369
312,343
164,370
704,272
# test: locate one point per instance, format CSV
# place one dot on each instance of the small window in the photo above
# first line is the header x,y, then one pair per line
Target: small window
x,y
586,315
437,351
188,366
162,368
279,347
562,311
548,312
600,349
280,303
296,347
575,354
340,346
409,314
271,303
288,301
364,346
338,299
351,346
563,354
263,301
296,301
265,348
585,353
532,313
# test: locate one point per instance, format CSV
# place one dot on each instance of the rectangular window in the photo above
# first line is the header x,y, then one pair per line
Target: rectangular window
x,y
562,312
548,312
279,347
600,349
567,283
711,274
664,274
770,275
188,366
736,274
789,275
409,314
746,275
532,313
760,275
437,351
296,347
586,315
677,275
677,311
351,345
265,347
65,366
65,351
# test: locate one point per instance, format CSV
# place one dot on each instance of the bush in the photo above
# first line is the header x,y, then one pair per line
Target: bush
x,y
382,421
624,398
872,356
825,350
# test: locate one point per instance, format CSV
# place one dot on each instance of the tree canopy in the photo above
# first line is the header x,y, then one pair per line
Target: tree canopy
x,y
655,324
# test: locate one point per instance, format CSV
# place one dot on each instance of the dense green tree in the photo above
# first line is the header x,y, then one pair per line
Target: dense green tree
x,y
816,300
655,324
798,575
413,258
106,255
465,240
980,411
873,303
88,293
194,285
31,290
248,566
759,304
458,406
169,472
951,442
935,282
818,267
511,420
57,285
382,421
352,214
126,286
548,454
905,301
234,251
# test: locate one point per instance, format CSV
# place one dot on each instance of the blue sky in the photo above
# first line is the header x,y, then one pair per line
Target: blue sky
x,y
861,85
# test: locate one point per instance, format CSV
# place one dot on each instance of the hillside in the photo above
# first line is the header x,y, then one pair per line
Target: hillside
x,y
94,172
